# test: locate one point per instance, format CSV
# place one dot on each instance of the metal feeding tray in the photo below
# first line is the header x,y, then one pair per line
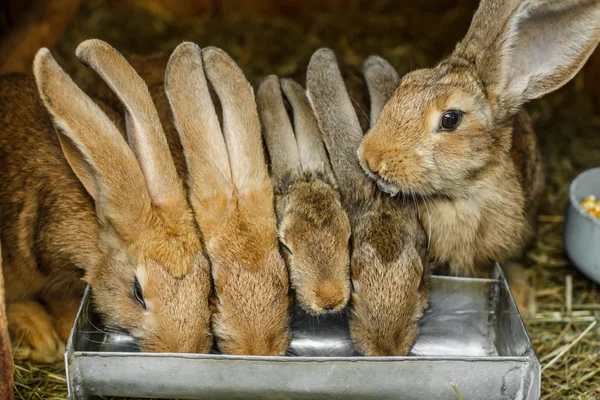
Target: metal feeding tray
x,y
472,339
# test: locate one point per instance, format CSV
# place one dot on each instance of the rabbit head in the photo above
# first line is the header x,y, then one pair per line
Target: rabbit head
x,y
232,196
389,265
313,226
447,127
151,277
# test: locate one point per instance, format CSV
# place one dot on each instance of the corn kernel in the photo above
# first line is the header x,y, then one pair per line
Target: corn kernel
x,y
592,206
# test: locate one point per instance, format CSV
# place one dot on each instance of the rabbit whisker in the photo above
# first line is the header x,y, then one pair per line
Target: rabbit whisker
x,y
361,110
104,331
231,317
350,121
93,341
426,203
98,332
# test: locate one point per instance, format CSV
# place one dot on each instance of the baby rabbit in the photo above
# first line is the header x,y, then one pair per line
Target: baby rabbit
x,y
77,202
458,136
313,227
389,265
232,196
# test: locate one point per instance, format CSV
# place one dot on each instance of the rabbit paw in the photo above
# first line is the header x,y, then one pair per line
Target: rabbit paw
x,y
522,291
33,334
524,296
63,312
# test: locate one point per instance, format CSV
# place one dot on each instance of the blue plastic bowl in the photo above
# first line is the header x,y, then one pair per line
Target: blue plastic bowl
x,y
581,233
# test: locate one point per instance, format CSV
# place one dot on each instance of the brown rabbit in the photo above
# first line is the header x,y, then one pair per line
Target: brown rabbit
x,y
457,134
79,203
389,266
313,226
232,196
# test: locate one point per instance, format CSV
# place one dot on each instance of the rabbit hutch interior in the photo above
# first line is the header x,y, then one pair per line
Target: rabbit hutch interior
x,y
279,199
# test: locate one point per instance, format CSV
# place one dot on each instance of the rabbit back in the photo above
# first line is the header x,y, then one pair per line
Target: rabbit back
x,y
39,196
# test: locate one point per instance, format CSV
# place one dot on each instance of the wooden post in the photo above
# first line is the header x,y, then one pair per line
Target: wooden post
x,y
7,366
188,8
41,25
591,71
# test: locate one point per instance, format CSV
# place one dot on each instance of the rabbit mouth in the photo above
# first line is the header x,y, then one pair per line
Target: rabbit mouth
x,y
381,182
387,187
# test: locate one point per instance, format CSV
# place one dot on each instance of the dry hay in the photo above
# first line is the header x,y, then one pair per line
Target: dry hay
x,y
409,35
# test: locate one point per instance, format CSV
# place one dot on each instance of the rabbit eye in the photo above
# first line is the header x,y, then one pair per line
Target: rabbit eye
x,y
138,294
450,120
285,247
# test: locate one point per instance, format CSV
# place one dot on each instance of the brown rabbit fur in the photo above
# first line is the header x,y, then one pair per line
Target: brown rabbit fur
x,y
313,226
79,207
482,178
389,265
232,195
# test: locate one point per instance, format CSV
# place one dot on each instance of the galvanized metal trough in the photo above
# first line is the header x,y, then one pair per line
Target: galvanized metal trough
x,y
472,337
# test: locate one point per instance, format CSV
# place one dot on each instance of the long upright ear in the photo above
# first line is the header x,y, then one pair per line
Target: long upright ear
x,y
277,132
382,79
542,45
144,129
196,120
241,125
313,155
337,120
94,147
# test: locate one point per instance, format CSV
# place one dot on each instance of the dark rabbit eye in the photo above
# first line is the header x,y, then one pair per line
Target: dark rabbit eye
x,y
285,247
137,292
450,120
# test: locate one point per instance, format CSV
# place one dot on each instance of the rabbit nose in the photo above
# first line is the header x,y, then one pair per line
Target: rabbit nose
x,y
373,165
369,158
329,295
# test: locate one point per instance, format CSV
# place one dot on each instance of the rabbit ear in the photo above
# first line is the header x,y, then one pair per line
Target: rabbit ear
x,y
542,46
144,129
278,132
241,125
198,127
313,155
337,119
382,79
486,27
95,149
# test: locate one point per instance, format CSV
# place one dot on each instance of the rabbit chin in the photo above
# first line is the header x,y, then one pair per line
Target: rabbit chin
x,y
388,187
383,184
394,186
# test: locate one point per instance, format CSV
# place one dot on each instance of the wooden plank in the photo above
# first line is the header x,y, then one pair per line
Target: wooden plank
x,y
190,8
591,71
11,12
7,367
41,26
177,9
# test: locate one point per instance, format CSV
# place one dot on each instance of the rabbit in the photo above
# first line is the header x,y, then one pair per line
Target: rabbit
x,y
79,206
457,135
389,263
314,229
232,196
